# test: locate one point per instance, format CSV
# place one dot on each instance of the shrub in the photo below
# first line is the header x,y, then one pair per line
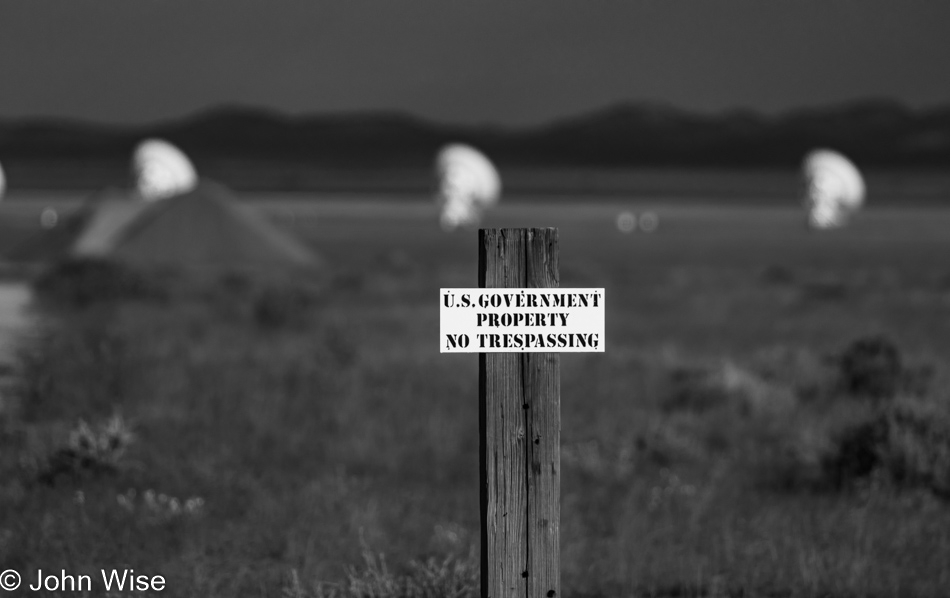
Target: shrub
x,y
693,389
871,366
90,449
908,443
856,453
279,307
80,283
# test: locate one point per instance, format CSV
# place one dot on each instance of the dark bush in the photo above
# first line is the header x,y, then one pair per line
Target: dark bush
x,y
871,367
908,443
693,389
231,295
91,450
84,282
279,307
857,452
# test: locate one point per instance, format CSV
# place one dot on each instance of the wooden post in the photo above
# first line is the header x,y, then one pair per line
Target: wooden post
x,y
519,422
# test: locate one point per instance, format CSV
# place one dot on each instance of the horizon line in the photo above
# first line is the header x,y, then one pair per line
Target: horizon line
x,y
276,113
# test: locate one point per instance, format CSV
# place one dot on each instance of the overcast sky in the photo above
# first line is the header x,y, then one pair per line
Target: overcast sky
x,y
500,61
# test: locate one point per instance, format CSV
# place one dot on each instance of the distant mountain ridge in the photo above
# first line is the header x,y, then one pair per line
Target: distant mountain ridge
x,y
225,140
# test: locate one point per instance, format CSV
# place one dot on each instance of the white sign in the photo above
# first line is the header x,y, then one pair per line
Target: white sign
x,y
521,320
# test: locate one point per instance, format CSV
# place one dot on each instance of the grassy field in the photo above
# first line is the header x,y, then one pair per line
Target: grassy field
x,y
302,435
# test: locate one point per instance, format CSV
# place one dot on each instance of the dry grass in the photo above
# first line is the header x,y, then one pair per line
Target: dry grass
x,y
334,451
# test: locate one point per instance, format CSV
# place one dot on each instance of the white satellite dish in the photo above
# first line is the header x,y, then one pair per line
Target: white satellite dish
x,y
834,189
626,222
161,170
49,218
468,184
649,222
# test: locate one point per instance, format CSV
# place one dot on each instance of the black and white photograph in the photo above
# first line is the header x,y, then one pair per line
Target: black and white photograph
x,y
475,298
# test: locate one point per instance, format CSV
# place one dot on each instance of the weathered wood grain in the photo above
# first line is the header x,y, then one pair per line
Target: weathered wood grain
x,y
519,420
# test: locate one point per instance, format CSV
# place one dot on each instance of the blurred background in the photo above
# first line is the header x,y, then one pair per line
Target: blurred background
x,y
219,357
